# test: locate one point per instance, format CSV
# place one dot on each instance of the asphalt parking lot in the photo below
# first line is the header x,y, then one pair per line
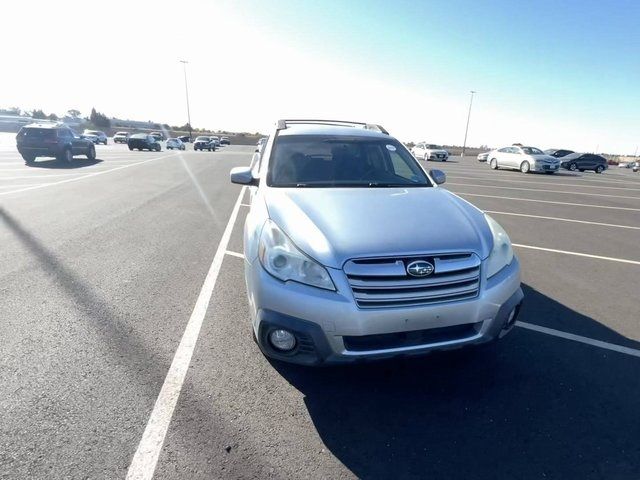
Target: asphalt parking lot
x,y
106,265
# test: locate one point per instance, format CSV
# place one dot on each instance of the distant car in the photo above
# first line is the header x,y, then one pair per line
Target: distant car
x,y
143,141
260,144
158,136
185,139
558,153
92,138
482,157
101,137
428,151
525,159
204,143
584,161
216,140
175,143
636,166
52,140
120,137
225,141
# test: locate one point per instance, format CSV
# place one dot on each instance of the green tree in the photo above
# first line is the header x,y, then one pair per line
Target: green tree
x,y
38,114
53,116
73,113
99,119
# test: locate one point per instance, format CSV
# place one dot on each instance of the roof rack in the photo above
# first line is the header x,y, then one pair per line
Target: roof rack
x,y
283,124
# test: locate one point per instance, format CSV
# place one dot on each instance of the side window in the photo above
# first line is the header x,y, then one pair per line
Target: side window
x,y
504,150
400,167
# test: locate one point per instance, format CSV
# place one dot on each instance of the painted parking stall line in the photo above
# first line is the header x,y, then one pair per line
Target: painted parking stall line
x,y
547,201
145,459
542,190
579,338
612,225
526,182
577,254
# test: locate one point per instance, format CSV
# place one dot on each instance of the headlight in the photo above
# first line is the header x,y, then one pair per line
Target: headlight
x,y
502,254
282,259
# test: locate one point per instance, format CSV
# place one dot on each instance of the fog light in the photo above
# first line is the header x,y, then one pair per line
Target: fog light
x,y
282,340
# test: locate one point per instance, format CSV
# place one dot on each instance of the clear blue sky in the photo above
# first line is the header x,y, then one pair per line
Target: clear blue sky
x,y
577,60
548,73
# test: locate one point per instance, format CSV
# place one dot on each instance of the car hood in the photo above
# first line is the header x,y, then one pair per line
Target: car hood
x,y
545,158
435,150
335,225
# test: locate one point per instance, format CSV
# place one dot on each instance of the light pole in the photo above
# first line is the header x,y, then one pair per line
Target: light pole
x,y
466,130
186,89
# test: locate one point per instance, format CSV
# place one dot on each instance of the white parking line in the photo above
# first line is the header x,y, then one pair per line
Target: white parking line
x,y
146,457
542,190
88,175
587,255
234,254
548,201
245,205
563,219
21,185
579,338
487,179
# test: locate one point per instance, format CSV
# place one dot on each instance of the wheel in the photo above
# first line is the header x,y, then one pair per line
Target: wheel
x,y
599,169
525,167
67,156
573,167
131,148
493,164
425,157
91,153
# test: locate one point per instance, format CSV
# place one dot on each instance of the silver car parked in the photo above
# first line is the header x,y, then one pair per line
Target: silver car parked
x,y
353,251
525,159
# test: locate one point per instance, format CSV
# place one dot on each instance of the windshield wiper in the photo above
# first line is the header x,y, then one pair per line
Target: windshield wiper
x,y
396,185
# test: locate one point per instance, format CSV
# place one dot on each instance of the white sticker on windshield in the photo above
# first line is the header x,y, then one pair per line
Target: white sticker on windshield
x,y
391,148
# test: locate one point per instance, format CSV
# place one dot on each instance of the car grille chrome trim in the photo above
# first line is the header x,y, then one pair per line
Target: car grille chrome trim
x,y
384,282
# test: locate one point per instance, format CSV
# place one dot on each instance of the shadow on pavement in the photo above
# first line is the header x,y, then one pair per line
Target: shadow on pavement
x,y
57,164
533,406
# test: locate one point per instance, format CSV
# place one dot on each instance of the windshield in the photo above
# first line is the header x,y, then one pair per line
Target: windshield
x,y
202,139
139,135
532,151
338,161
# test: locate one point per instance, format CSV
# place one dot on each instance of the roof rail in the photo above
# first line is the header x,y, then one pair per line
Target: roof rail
x,y
283,124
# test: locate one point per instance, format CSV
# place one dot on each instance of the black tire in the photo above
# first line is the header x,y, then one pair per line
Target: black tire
x,y
525,167
67,156
131,148
425,157
599,169
573,167
91,153
493,164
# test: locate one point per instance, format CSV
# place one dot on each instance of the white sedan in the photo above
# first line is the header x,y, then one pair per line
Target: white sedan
x,y
427,151
525,159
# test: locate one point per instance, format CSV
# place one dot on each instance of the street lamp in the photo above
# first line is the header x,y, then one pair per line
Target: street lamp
x,y
464,145
186,89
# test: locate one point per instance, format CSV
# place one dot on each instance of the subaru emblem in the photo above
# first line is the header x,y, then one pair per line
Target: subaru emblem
x,y
419,268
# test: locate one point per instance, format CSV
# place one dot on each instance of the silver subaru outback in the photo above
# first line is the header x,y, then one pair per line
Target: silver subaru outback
x,y
354,252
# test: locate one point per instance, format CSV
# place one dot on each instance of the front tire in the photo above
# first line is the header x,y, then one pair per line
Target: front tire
x,y
525,167
67,156
599,169
425,157
573,167
91,153
493,164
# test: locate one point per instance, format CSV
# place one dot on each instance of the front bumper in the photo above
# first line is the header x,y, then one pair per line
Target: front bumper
x,y
544,167
330,328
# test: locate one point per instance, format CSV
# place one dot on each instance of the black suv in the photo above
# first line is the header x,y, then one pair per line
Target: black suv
x,y
558,153
584,161
52,140
142,141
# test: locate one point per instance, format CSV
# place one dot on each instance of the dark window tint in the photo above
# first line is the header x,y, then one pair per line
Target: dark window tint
x,y
339,161
38,133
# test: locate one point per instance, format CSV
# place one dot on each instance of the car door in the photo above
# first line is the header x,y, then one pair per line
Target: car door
x,y
78,144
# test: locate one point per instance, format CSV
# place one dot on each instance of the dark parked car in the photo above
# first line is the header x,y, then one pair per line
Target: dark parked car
x,y
52,140
185,139
158,136
558,153
225,141
142,141
204,143
584,161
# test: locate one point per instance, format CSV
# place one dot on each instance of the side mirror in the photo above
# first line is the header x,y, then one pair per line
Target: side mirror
x,y
243,176
438,176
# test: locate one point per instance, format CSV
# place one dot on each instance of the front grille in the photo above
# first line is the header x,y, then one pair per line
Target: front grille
x,y
384,282
415,338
